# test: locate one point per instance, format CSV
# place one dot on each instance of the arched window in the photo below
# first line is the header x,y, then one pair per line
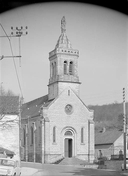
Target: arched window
x,y
54,134
82,135
65,68
32,135
71,68
24,136
68,133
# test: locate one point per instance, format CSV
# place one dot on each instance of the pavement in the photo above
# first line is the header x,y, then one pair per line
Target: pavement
x,y
33,169
28,171
30,168
125,173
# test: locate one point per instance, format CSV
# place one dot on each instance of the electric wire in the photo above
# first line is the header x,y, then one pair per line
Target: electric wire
x,y
13,61
108,97
104,96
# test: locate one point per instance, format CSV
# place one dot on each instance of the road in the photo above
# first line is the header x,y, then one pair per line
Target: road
x,y
62,170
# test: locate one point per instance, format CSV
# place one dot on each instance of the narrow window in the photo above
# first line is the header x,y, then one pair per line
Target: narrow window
x,y
24,136
52,69
68,92
71,68
82,135
127,143
54,134
26,128
40,134
65,67
32,135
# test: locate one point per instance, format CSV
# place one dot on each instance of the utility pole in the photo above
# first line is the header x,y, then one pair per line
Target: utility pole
x,y
124,129
18,32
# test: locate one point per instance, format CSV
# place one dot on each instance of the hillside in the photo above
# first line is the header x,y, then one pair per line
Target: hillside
x,y
109,116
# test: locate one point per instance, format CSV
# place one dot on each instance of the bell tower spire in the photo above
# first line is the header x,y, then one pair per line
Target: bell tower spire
x,y
63,41
63,65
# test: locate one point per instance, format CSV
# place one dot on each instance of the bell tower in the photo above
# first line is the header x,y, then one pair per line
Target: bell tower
x,y
63,66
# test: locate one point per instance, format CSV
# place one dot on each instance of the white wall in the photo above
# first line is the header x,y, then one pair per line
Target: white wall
x,y
9,133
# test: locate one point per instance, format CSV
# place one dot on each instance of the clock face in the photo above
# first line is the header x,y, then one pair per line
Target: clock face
x,y
68,109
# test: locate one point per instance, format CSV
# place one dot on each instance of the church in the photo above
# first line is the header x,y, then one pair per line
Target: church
x,y
59,124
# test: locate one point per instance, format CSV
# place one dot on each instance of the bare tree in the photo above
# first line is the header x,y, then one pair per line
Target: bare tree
x,y
9,105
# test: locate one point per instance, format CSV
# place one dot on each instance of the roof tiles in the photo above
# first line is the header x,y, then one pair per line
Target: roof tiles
x,y
32,108
107,137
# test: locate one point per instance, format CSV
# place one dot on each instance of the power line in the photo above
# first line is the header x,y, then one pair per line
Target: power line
x,y
13,61
103,98
103,94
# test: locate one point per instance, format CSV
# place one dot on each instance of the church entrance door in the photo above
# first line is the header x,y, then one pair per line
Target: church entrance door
x,y
68,147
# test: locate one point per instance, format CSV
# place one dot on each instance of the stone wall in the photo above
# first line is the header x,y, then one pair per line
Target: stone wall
x,y
81,117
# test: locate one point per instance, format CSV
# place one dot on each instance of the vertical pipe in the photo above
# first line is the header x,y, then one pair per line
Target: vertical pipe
x,y
88,141
124,116
34,143
20,103
44,140
26,142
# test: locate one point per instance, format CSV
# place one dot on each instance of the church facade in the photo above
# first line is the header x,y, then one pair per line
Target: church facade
x,y
59,124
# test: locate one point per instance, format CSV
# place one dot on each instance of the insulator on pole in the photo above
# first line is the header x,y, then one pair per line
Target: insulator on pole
x,y
123,94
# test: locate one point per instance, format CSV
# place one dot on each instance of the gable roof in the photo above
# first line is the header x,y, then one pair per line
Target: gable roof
x,y
107,137
91,110
9,105
32,108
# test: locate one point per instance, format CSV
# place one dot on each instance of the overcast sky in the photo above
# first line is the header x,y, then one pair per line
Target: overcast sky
x,y
100,35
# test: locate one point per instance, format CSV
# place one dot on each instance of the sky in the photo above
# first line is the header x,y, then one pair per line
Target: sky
x,y
100,35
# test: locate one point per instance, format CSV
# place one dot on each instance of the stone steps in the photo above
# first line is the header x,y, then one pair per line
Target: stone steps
x,y
77,162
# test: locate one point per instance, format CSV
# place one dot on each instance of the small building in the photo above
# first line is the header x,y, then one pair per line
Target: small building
x,y
109,143
59,124
9,126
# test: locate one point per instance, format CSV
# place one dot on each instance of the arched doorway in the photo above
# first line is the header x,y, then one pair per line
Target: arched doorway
x,y
68,148
68,144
